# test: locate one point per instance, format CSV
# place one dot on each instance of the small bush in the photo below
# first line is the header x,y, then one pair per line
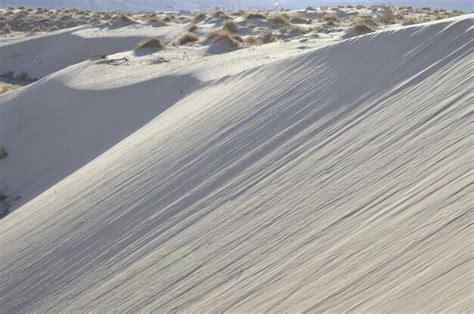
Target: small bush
x,y
253,41
331,18
281,19
267,36
223,34
187,37
199,16
387,16
152,43
231,26
6,29
361,29
410,21
255,15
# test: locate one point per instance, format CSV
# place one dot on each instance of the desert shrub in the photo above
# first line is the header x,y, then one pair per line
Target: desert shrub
x,y
6,29
231,26
3,153
186,37
281,19
153,43
253,41
199,16
360,29
331,18
192,28
167,18
255,15
223,34
410,20
267,36
387,16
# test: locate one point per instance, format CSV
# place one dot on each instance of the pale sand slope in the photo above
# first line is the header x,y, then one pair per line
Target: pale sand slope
x,y
45,54
335,180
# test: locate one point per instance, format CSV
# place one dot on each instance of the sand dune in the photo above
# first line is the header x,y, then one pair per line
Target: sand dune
x,y
337,179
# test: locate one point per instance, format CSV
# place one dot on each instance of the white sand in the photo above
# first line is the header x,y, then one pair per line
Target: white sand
x,y
335,179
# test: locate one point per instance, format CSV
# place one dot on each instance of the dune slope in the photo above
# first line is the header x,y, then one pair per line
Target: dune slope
x,y
336,180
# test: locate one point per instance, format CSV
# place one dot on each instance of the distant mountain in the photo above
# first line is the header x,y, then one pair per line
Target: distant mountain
x,y
166,5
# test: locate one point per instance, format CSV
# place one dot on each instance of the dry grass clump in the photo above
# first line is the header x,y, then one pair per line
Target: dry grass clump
x,y
231,26
281,19
267,36
223,34
253,41
410,20
331,18
361,29
153,43
168,18
192,28
3,89
6,29
255,15
387,16
199,16
186,37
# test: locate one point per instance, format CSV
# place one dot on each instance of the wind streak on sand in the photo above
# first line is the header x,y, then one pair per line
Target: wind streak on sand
x,y
336,180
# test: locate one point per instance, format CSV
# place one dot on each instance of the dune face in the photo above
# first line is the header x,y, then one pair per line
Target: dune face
x,y
338,179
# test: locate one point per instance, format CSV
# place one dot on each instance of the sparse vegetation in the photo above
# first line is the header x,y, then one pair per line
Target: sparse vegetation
x,y
331,18
255,15
267,36
281,19
231,26
410,20
6,29
253,41
187,37
360,29
222,34
199,16
153,43
387,16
